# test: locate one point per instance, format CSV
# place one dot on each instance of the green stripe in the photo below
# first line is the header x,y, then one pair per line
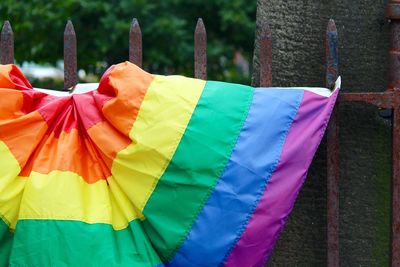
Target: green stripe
x,y
6,241
74,243
197,164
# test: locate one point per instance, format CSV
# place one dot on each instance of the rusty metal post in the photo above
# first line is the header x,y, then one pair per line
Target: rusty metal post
x,y
393,13
135,43
332,68
7,44
200,50
70,59
265,56
395,253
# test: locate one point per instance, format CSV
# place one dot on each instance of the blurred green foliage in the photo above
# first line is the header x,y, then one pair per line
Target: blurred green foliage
x,y
102,29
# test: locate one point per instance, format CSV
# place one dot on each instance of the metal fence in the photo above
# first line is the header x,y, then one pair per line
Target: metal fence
x,y
388,99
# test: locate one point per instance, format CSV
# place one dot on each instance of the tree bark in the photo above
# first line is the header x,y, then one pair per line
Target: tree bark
x,y
298,33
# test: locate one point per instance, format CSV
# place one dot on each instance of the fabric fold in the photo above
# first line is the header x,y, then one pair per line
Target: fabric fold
x,y
151,170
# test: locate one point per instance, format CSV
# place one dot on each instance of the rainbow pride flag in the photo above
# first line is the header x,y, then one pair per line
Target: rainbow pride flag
x,y
150,170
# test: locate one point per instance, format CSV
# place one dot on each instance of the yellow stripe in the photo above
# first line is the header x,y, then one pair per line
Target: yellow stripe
x,y
62,195
163,116
11,188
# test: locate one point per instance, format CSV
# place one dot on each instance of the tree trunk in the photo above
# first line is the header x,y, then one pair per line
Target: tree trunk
x,y
298,32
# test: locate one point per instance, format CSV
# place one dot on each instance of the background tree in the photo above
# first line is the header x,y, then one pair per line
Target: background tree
x,y
102,29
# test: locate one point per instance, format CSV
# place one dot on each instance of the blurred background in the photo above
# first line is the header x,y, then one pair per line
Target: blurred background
x,y
102,29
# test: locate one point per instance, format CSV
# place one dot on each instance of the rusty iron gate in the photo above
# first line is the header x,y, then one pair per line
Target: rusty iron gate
x,y
388,99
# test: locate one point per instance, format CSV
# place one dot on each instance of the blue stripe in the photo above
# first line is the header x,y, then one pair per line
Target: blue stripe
x,y
254,158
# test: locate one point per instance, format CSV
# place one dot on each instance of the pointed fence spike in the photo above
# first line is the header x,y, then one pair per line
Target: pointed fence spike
x,y
331,26
200,50
265,56
7,44
69,28
135,43
331,53
70,57
200,28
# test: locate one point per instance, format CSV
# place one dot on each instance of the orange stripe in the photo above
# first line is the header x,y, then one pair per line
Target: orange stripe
x,y
93,153
5,79
128,84
54,153
12,77
23,134
108,140
11,102
19,131
37,151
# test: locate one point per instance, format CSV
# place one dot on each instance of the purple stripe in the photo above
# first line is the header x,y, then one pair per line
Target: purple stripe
x,y
258,240
226,213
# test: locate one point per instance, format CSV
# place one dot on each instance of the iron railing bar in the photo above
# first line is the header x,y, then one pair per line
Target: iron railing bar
x,y
393,13
381,99
135,43
333,160
200,50
7,44
70,58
